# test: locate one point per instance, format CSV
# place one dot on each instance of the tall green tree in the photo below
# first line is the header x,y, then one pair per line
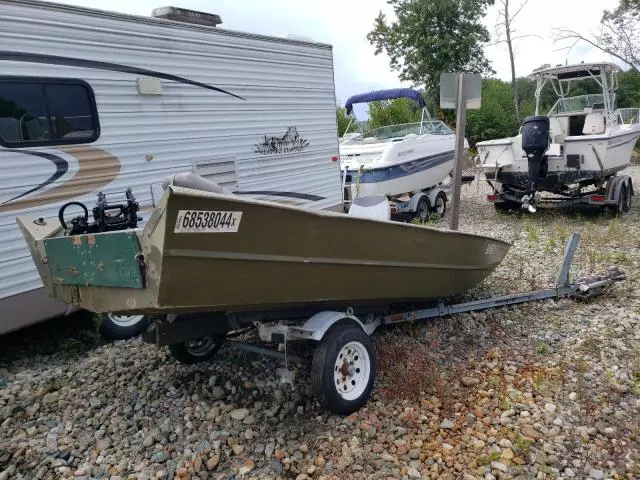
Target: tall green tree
x,y
497,116
619,34
429,37
393,112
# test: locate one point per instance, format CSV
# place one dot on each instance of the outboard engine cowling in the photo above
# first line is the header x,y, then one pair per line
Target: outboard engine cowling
x,y
535,142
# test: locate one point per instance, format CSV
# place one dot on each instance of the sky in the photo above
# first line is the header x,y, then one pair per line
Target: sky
x,y
345,24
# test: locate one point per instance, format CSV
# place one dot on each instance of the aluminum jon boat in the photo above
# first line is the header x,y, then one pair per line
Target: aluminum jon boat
x,y
206,250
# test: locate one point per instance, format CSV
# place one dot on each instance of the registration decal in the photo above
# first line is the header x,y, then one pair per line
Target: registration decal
x,y
207,221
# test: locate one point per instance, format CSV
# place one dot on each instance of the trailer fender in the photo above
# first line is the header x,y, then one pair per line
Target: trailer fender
x,y
615,186
316,326
432,194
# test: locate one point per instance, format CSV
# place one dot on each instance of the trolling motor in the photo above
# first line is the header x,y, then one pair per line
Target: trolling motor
x,y
106,217
535,142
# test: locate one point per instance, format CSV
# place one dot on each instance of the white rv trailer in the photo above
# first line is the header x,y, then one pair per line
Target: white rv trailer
x,y
97,101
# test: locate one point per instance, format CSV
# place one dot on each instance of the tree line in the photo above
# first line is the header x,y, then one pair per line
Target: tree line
x,y
429,37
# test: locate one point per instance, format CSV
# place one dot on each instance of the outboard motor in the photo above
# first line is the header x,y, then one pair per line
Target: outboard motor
x,y
535,142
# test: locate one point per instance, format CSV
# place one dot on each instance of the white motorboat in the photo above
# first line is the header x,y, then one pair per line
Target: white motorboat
x,y
574,152
397,160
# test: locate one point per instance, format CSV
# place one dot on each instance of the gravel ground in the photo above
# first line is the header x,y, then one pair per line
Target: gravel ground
x,y
544,390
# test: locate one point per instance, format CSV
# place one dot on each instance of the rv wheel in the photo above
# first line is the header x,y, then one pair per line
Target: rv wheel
x,y
440,205
123,326
196,350
344,368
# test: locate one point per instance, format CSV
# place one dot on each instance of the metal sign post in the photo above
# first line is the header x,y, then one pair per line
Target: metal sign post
x,y
461,91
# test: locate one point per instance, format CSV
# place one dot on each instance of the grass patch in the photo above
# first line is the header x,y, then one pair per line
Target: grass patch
x,y
543,348
487,459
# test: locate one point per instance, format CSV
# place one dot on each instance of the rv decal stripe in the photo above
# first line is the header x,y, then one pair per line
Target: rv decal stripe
x,y
273,193
96,169
83,63
61,168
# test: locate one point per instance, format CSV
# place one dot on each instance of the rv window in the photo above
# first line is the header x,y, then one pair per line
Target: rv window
x,y
46,112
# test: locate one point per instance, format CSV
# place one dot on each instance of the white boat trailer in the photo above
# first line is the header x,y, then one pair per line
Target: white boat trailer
x,y
344,362
421,204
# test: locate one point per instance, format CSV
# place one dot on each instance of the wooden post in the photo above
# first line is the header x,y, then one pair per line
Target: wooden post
x,y
461,117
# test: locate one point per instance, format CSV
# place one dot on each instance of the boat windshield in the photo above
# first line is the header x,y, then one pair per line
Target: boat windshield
x,y
577,104
394,132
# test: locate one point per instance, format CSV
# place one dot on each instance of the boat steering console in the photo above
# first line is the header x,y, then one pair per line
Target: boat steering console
x,y
107,217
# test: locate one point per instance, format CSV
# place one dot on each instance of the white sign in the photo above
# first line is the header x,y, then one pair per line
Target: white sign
x,y
207,221
449,90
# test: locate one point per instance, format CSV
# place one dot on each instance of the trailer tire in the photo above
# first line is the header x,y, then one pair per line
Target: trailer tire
x,y
423,208
343,369
197,350
618,208
626,194
121,327
440,204
506,206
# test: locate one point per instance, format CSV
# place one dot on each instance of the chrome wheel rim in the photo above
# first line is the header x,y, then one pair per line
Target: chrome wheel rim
x,y
440,206
352,371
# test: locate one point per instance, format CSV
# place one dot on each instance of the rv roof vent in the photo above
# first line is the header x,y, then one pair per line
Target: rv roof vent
x,y
187,16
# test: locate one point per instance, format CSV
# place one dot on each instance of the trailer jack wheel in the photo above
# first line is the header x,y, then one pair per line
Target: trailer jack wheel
x,y
344,368
196,350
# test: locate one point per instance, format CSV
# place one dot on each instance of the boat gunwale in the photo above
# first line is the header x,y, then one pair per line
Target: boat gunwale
x,y
190,192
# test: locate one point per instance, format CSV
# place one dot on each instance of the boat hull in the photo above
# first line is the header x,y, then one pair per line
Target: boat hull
x,y
273,256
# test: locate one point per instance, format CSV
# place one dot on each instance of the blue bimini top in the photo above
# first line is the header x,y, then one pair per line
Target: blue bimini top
x,y
384,95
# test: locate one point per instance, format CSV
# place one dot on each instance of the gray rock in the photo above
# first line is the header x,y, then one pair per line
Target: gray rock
x,y
569,473
239,414
446,424
414,473
596,474
469,381
499,466
159,457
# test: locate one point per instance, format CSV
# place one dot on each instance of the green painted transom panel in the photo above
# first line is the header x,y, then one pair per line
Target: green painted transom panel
x,y
107,259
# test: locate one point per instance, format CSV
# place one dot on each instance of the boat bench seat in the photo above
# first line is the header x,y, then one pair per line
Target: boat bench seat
x,y
195,182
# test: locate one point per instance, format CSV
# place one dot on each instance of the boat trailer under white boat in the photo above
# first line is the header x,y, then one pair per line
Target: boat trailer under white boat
x,y
575,153
408,163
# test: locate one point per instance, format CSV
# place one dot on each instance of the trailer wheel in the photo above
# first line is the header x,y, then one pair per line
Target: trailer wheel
x,y
196,350
344,368
506,206
626,198
440,204
618,207
423,208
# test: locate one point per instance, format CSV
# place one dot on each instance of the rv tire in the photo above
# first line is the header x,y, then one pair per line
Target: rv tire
x,y
120,327
343,369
